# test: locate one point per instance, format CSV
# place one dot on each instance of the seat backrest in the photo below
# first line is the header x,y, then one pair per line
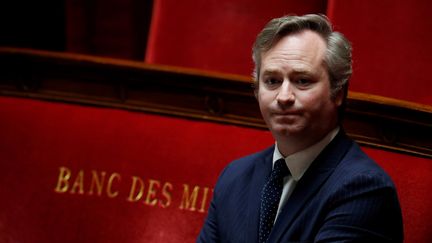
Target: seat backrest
x,y
413,178
214,35
72,173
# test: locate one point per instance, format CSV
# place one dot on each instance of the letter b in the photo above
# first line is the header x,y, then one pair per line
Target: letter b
x,y
63,178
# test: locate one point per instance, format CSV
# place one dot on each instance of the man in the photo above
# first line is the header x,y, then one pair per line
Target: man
x,y
314,184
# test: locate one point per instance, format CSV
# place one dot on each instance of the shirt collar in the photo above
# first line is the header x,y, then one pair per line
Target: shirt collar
x,y
299,162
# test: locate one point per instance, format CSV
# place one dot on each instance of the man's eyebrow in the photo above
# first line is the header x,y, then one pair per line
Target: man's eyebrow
x,y
303,72
295,71
270,72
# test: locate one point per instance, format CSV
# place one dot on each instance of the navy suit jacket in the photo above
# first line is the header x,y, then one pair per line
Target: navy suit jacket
x,y
344,196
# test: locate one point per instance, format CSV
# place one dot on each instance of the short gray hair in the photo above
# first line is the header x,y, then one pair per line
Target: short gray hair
x,y
338,57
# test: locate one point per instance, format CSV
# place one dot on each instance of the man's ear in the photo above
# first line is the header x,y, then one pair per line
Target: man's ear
x,y
255,86
339,97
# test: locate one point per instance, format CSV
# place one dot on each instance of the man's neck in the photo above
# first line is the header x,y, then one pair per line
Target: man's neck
x,y
290,145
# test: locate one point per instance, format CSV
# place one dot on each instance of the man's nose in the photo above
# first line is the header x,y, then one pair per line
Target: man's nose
x,y
286,94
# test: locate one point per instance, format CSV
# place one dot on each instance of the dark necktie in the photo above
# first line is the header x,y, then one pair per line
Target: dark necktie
x,y
270,197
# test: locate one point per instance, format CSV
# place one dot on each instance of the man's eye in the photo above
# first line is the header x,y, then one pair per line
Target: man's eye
x,y
303,81
272,81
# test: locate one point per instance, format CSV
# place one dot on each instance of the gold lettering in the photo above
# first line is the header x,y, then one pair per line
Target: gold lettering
x,y
204,200
109,192
63,178
151,192
188,201
138,196
97,182
79,183
167,195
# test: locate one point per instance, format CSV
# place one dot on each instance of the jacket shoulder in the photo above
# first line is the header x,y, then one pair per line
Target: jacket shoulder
x,y
357,164
244,167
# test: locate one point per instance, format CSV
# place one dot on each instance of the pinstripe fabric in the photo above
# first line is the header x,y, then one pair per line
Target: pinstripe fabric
x,y
343,197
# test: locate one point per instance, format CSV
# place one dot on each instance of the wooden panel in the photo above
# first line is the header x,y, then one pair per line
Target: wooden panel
x,y
371,120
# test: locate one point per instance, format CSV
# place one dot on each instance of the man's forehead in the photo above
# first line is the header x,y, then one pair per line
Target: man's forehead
x,y
303,52
303,41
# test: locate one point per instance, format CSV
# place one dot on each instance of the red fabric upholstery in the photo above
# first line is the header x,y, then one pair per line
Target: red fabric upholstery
x,y
392,49
40,137
391,46
413,179
390,38
214,34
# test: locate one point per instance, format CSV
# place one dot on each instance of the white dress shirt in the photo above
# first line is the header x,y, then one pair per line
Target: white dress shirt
x,y
298,163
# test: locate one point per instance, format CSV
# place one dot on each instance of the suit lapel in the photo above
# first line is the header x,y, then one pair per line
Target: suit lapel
x,y
261,171
311,182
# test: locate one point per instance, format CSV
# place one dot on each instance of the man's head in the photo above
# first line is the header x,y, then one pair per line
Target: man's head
x,y
338,54
302,72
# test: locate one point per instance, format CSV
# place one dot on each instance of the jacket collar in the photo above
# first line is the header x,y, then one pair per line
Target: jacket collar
x,y
322,167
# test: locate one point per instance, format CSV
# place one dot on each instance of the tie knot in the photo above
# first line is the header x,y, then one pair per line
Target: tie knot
x,y
280,169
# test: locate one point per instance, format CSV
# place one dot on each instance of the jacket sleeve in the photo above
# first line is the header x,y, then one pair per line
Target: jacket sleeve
x,y
209,232
365,209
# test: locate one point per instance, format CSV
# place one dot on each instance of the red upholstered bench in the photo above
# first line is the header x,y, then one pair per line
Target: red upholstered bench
x,y
71,173
85,174
76,173
413,178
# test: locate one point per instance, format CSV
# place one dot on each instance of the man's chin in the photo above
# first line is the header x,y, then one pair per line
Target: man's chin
x,y
286,130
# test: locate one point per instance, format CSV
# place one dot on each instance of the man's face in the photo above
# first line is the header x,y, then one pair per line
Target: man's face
x,y
294,89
